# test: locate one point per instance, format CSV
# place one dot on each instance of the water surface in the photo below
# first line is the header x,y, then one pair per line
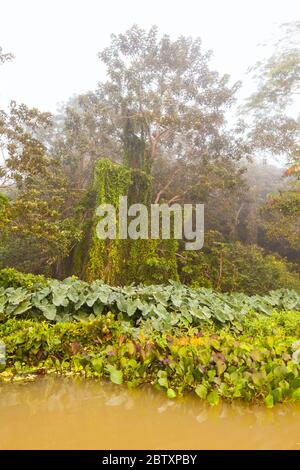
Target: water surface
x,y
66,414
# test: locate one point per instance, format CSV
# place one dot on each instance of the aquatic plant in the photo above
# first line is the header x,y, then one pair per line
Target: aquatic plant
x,y
213,362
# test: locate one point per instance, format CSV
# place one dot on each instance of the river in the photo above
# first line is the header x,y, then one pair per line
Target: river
x,y
60,413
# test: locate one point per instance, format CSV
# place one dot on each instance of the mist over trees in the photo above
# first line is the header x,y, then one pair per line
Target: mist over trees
x,y
164,111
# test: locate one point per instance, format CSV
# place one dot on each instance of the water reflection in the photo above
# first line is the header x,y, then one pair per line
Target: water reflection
x,y
64,413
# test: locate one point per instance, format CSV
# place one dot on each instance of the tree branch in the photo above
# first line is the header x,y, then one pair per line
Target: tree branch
x,y
164,189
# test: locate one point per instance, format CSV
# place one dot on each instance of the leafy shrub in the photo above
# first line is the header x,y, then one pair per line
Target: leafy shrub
x,y
230,267
278,324
9,277
3,200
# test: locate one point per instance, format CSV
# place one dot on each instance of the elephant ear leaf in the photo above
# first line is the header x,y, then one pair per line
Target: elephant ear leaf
x,y
131,308
2,302
60,295
49,310
162,297
122,303
17,296
23,307
98,308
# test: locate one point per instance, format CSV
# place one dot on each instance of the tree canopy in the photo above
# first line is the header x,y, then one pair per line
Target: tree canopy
x,y
166,115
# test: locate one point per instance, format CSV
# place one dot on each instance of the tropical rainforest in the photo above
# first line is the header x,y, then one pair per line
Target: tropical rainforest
x,y
163,127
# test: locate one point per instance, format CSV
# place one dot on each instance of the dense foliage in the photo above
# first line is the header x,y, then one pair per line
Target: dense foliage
x,y
236,266
257,362
163,305
222,322
172,128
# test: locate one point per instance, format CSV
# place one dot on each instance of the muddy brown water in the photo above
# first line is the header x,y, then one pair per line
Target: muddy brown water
x,y
61,413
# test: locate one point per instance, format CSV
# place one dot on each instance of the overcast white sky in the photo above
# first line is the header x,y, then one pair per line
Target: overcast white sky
x,y
55,42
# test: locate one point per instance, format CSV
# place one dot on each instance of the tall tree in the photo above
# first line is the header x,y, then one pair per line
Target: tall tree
x,y
36,219
165,89
162,107
276,129
275,121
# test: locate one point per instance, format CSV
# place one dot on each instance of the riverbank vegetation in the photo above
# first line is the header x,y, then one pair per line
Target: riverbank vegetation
x,y
256,361
163,127
40,298
178,339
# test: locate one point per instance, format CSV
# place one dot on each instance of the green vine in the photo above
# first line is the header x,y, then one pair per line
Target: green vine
x,y
121,262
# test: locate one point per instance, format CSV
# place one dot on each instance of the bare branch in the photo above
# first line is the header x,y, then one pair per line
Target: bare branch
x,y
174,199
164,189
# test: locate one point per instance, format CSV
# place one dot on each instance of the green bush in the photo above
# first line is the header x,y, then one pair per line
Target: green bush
x,y
229,267
3,200
9,277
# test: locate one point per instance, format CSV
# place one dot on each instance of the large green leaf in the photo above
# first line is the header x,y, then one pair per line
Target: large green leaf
x,y
213,398
116,376
60,295
201,391
48,309
22,307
